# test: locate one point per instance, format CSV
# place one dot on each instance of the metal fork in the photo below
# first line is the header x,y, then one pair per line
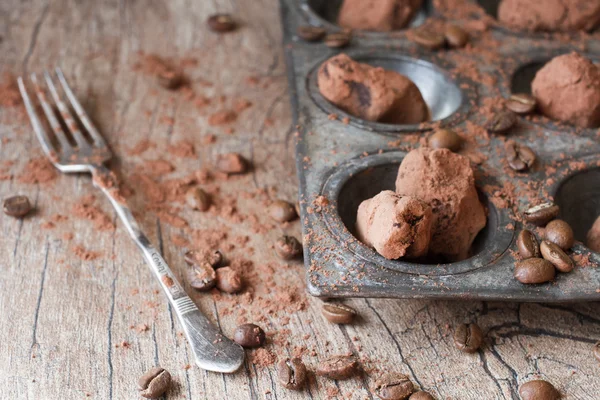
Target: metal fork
x,y
72,151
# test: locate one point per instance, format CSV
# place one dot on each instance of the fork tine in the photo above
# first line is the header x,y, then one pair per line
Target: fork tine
x,y
87,122
35,122
66,114
54,124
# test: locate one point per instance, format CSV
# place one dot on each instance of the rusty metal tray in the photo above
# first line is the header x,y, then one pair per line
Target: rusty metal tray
x,y
352,161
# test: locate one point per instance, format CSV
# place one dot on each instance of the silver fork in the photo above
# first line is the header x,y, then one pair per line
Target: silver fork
x,y
212,350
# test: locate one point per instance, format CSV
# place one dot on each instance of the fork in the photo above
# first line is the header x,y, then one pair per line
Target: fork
x,y
212,350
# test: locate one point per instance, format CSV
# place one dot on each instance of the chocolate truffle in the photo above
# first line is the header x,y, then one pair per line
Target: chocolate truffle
x,y
371,93
550,15
445,181
567,89
377,15
396,226
593,237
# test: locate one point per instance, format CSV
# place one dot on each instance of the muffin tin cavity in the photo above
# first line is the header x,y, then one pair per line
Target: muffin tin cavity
x,y
363,178
325,13
578,197
442,94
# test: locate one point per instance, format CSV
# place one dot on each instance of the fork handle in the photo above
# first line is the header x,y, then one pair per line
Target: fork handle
x,y
212,350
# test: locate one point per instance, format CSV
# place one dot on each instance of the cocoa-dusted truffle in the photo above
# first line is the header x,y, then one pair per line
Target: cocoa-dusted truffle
x,y
371,93
377,15
593,236
445,181
567,89
396,226
550,15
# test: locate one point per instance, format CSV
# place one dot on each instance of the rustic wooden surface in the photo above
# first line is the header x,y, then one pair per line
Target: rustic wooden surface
x,y
62,318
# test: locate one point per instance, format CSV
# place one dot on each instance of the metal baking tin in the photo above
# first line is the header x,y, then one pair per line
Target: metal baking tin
x,y
347,162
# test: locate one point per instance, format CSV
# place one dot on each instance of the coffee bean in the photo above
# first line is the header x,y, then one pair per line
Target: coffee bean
x,y
16,206
249,335
310,33
292,373
169,79
556,256
521,103
596,351
534,270
202,277
445,139
338,39
282,211
338,367
421,396
338,313
560,232
428,39
456,36
198,199
231,163
221,23
528,244
228,280
214,258
538,390
468,338
519,157
541,214
154,383
501,122
396,387
288,248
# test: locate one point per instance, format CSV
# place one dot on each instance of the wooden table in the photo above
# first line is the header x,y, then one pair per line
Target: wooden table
x,y
73,329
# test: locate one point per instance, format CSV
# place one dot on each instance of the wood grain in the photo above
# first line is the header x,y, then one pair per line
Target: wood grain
x,y
62,318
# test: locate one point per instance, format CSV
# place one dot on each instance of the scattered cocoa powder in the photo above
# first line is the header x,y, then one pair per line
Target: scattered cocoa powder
x,y
38,170
84,254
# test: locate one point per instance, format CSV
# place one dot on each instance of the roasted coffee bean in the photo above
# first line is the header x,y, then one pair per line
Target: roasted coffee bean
x,y
445,139
428,39
228,280
521,103
338,367
221,23
421,396
16,206
519,157
338,313
501,122
527,244
198,199
560,232
556,256
534,270
468,338
214,259
288,248
169,79
154,383
202,277
292,373
456,36
282,211
338,39
231,163
541,214
310,33
249,335
596,351
396,387
538,390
